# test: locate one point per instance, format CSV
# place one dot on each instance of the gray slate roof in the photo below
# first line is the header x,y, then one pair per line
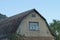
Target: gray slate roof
x,y
10,25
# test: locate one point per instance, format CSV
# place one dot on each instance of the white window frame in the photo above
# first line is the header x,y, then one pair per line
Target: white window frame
x,y
33,27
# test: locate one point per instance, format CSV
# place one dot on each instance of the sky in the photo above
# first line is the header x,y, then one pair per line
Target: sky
x,y
49,9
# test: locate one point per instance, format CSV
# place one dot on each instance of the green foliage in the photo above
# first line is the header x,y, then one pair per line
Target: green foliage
x,y
16,36
55,26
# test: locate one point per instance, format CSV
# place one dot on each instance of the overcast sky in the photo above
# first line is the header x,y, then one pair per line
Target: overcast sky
x,y
50,9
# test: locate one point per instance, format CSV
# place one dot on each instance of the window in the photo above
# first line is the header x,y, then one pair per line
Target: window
x,y
33,26
33,15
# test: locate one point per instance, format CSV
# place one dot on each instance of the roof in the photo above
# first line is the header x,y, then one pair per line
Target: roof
x,y
10,25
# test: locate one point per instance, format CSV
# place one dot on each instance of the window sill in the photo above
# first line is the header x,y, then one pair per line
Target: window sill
x,y
33,30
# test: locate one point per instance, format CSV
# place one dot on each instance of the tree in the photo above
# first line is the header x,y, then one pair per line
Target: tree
x,y
55,27
2,16
16,36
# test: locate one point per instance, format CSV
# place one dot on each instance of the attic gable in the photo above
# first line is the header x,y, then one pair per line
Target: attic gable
x,y
10,25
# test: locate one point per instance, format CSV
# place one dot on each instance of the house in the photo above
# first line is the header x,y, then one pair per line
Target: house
x,y
30,23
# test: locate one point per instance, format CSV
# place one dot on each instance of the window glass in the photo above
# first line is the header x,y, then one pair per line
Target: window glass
x,y
33,15
33,25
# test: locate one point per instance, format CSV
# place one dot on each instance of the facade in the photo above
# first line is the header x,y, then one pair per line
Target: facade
x,y
31,24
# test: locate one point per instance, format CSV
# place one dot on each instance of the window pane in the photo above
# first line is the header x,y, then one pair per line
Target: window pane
x,y
33,25
30,26
33,15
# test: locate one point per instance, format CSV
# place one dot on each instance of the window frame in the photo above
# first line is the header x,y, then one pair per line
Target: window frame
x,y
35,28
33,15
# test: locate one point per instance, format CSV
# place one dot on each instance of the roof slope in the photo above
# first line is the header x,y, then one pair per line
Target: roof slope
x,y
10,25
